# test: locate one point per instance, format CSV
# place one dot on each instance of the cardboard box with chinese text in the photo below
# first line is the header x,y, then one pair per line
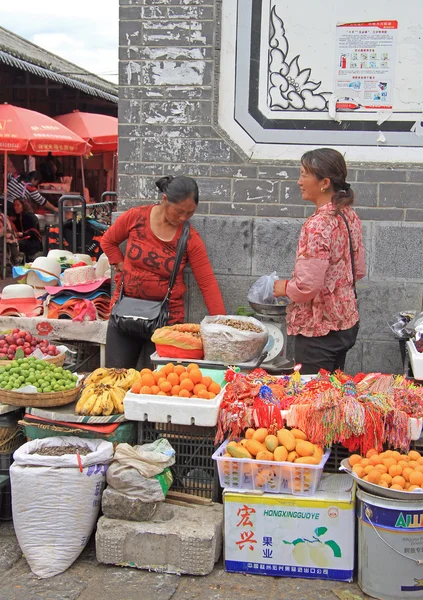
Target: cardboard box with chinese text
x,y
289,536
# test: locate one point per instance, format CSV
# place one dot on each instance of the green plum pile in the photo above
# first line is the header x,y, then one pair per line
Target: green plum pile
x,y
45,376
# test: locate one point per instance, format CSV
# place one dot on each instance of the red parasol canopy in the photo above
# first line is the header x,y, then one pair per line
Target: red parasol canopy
x,y
100,131
24,131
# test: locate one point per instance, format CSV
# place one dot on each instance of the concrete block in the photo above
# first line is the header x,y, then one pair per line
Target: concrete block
x,y
189,542
228,243
127,186
415,176
129,111
235,209
174,112
173,72
365,194
280,172
237,171
234,291
400,195
379,302
130,149
380,214
209,151
274,246
116,505
382,357
414,214
202,13
163,149
130,73
281,210
255,190
214,188
378,175
397,251
290,194
130,30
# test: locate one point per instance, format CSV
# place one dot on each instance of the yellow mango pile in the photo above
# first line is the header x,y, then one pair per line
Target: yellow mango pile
x,y
288,445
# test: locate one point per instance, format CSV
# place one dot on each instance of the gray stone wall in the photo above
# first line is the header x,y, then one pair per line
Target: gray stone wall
x,y
250,214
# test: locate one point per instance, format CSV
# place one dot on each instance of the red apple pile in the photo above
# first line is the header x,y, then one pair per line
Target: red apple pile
x,y
19,338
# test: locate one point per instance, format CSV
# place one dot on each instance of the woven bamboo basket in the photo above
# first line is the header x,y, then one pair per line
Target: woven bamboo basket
x,y
58,360
11,438
39,400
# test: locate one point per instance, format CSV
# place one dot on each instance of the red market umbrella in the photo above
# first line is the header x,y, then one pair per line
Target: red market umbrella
x,y
100,131
24,131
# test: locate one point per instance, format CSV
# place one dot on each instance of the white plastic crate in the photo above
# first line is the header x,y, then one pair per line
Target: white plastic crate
x,y
172,409
284,477
416,360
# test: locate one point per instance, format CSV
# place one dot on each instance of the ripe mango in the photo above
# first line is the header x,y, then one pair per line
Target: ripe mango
x,y
298,434
280,454
249,433
292,456
265,456
264,476
254,447
318,453
307,460
303,448
271,442
260,434
243,442
286,439
238,452
232,443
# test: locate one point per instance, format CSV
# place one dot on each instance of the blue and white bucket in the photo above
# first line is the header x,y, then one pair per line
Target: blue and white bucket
x,y
390,547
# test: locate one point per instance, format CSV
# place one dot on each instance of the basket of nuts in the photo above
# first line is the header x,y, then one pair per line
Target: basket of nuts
x,y
232,339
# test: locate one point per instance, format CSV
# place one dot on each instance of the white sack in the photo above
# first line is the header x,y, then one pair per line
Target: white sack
x,y
55,505
229,345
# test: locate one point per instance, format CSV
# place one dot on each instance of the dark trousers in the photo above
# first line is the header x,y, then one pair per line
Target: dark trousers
x,y
127,352
325,352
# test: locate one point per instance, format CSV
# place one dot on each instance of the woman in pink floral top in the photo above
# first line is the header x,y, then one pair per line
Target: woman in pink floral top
x,y
323,314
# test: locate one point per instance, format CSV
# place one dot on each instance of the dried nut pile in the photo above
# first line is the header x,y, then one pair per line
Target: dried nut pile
x,y
61,451
240,325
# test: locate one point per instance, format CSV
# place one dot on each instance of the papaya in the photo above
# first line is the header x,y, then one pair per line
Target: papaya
x,y
265,455
238,452
280,454
249,433
298,434
271,442
232,443
254,447
260,434
303,448
307,460
292,456
286,439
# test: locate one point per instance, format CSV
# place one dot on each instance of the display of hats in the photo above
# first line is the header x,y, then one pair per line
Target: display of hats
x,y
19,300
61,255
43,271
83,258
102,268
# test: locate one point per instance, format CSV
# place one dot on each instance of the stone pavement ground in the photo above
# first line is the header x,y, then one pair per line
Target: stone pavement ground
x,y
89,580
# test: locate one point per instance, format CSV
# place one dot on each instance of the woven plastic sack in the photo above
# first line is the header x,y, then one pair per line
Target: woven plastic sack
x,y
229,345
56,500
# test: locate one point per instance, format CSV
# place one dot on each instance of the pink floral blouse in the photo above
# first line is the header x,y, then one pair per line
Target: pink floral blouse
x,y
321,289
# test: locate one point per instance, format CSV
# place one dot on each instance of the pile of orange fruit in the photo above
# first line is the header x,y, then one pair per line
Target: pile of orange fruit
x,y
176,380
390,469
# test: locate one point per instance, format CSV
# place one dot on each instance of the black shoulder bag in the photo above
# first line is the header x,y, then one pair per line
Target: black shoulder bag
x,y
351,252
140,318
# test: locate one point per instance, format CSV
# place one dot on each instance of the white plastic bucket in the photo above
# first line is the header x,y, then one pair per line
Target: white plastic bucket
x,y
390,546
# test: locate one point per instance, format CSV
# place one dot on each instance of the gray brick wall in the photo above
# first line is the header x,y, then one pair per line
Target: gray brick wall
x,y
250,213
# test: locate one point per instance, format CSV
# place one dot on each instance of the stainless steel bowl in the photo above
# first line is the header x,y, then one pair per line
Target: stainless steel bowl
x,y
272,310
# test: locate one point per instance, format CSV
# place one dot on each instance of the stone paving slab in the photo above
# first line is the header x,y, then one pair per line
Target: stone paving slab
x,y
89,580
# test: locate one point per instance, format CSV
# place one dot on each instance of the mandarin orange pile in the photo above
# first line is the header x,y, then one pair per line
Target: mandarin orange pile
x,y
176,380
390,469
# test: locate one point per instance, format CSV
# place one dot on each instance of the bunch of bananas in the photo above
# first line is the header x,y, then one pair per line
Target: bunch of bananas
x,y
122,378
100,399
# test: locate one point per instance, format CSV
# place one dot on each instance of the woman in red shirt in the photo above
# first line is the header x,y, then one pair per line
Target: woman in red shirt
x,y
152,233
323,315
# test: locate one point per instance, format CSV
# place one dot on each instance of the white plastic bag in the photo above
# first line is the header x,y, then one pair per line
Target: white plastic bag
x,y
141,471
56,500
261,292
227,344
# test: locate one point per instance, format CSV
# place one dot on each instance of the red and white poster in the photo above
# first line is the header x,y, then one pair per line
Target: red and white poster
x,y
365,65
